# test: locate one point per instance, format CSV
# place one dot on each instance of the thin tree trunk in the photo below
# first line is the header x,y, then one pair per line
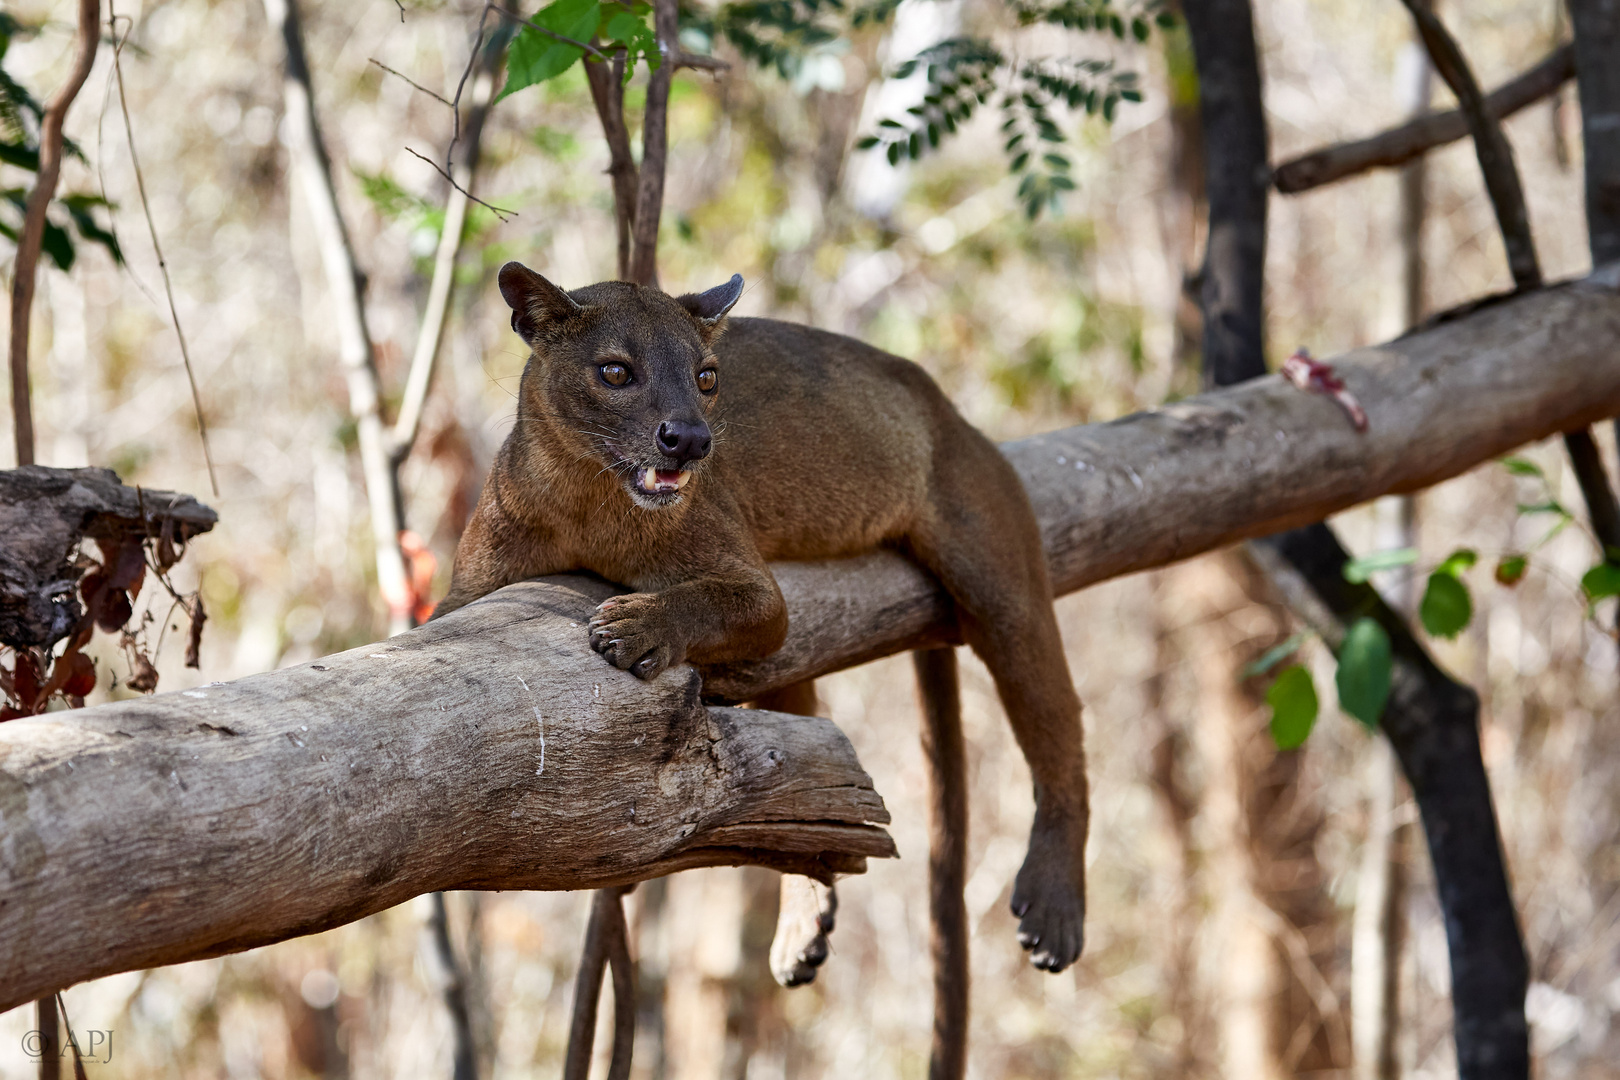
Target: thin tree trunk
x,y
1597,78
1432,721
308,160
25,269
607,92
1230,283
50,1038
654,148
435,314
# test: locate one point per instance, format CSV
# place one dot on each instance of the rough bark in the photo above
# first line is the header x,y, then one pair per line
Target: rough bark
x,y
1418,136
33,230
1238,463
490,749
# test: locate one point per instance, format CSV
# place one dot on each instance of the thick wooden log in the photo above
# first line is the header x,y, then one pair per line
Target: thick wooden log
x,y
490,749
1159,486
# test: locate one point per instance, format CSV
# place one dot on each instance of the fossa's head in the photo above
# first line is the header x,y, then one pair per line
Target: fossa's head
x,y
622,375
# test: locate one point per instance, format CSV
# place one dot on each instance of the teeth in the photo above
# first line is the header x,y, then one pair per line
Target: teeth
x,y
649,480
680,481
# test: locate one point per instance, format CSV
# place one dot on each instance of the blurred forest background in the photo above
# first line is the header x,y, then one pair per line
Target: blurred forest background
x,y
1224,873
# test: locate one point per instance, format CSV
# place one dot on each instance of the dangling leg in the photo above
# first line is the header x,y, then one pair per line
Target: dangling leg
x,y
981,540
808,908
947,856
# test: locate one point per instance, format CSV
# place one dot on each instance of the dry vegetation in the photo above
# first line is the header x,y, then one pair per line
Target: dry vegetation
x,y
1210,851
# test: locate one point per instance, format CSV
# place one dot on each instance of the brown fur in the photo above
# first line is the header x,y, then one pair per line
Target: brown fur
x,y
823,447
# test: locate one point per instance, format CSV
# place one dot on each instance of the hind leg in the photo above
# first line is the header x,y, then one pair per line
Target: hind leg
x,y
980,538
808,908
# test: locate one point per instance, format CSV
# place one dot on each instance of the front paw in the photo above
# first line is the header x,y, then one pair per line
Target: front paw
x,y
632,633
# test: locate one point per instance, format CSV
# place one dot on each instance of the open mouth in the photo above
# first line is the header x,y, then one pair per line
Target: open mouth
x,y
662,482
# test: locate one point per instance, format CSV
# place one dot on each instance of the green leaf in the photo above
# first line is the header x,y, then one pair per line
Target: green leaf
x,y
1139,29
1457,562
1602,581
1551,506
1519,466
1360,569
1510,569
58,245
1446,607
1293,707
536,56
1363,678
1274,656
867,142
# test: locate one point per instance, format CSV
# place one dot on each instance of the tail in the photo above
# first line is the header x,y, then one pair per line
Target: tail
x,y
947,856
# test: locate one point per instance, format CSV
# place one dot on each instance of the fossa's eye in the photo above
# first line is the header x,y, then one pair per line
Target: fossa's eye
x,y
615,374
707,380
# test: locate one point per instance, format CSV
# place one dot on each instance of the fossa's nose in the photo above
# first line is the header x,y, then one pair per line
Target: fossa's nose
x,y
684,441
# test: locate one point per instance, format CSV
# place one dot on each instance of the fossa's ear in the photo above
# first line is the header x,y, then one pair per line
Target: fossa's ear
x,y
710,306
534,301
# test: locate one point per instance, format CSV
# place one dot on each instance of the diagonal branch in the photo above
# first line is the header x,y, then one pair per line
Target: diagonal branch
x,y
33,231
1416,137
1513,217
1490,145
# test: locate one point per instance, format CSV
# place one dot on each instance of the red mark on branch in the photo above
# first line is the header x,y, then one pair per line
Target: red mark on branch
x,y
1318,377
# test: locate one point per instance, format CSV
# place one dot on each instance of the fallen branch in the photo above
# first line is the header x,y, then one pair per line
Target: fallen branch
x,y
1410,140
490,749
